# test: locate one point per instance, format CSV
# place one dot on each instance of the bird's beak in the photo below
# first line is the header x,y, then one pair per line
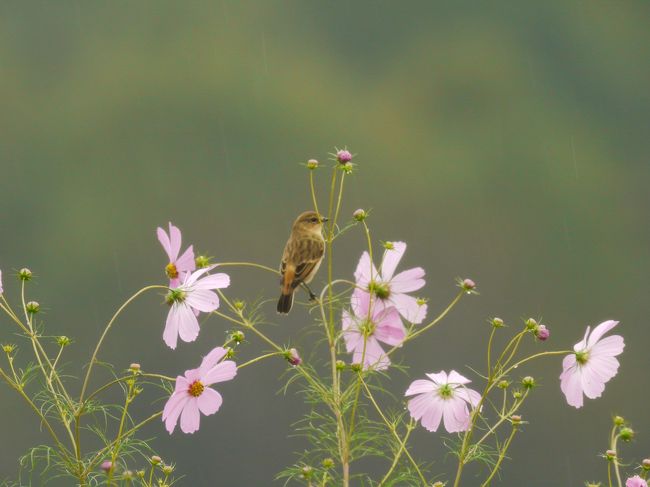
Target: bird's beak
x,y
324,219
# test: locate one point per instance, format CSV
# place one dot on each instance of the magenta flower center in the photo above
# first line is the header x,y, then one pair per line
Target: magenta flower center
x,y
171,271
196,388
379,289
582,357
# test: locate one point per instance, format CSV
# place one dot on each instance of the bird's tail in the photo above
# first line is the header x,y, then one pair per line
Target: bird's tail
x,y
284,303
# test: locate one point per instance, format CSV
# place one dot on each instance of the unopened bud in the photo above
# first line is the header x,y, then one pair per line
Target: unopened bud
x,y
626,434
340,365
202,261
140,474
9,348
106,466
542,333
155,460
328,463
312,164
359,215
230,353
239,305
497,322
531,324
343,156
306,472
528,382
515,419
128,475
503,384
168,469
388,245
619,420
292,357
468,285
134,367
610,454
24,274
438,484
645,464
33,307
63,341
517,394
237,336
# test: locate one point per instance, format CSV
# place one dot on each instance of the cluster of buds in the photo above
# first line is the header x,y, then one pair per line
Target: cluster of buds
x,y
540,331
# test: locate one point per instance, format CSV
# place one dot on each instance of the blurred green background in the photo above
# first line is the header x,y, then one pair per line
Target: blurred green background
x,y
505,141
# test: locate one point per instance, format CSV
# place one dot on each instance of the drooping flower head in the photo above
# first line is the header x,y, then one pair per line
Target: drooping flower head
x,y
636,481
442,397
193,296
367,325
178,266
389,288
192,394
592,365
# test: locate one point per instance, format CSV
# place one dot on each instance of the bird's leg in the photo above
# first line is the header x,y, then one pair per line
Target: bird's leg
x,y
312,296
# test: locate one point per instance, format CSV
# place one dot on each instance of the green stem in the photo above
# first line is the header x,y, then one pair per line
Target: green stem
x,y
502,455
613,446
398,454
257,359
248,264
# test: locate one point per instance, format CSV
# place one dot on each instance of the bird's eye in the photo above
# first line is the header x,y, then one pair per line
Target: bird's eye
x,y
314,220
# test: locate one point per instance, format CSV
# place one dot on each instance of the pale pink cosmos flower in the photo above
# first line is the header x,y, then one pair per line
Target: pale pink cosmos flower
x,y
592,365
178,266
192,396
366,326
636,481
442,397
391,289
193,296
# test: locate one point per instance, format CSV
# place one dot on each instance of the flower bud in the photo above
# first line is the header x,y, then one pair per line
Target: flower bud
x,y
619,420
312,164
626,434
517,394
503,384
155,460
33,307
468,285
515,419
230,353
421,301
359,215
128,475
237,336
63,341
343,156
528,382
645,464
531,324
306,472
8,348
610,454
340,365
134,367
356,367
202,261
140,474
168,469
542,333
328,463
388,245
24,274
438,484
497,322
106,466
292,357
239,305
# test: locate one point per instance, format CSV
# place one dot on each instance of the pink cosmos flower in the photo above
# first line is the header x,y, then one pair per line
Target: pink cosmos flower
x,y
178,266
636,481
194,295
192,395
376,324
391,289
442,397
592,365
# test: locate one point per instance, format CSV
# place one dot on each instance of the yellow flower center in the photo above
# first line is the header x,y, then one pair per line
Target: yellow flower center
x,y
196,388
171,271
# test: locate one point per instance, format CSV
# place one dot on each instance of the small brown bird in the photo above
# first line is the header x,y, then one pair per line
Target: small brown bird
x,y
302,257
